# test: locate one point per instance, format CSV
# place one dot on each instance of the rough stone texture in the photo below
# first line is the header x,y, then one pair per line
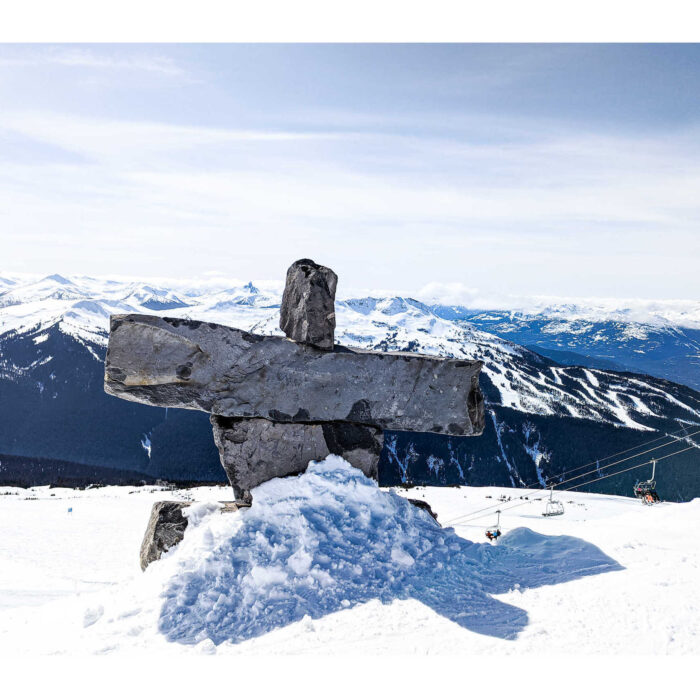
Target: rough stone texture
x,y
166,528
307,314
256,450
424,505
228,372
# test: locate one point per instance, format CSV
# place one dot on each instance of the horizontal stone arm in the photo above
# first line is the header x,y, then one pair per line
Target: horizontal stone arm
x,y
228,372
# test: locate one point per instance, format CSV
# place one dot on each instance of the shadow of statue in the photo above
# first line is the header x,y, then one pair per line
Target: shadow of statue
x,y
332,540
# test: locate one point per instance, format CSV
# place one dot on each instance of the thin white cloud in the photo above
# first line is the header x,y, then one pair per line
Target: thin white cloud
x,y
127,142
83,57
569,211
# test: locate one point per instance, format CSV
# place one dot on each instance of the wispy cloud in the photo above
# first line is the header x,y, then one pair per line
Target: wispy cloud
x,y
554,209
126,142
81,57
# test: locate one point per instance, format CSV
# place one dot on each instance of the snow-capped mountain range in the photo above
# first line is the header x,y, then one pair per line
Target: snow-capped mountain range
x,y
43,320
662,344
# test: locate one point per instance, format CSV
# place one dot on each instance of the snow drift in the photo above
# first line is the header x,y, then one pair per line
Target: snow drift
x,y
331,539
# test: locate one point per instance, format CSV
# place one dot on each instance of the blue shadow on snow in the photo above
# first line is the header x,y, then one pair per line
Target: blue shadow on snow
x,y
314,561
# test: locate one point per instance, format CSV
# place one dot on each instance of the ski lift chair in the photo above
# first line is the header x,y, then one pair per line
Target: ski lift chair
x,y
494,532
645,491
553,507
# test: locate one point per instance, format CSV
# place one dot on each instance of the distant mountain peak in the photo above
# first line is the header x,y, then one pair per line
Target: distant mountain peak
x,y
60,279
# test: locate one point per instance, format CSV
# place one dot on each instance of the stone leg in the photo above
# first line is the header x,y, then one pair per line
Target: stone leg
x,y
166,527
255,450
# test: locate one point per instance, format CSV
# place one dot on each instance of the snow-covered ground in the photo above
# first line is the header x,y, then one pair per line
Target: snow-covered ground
x,y
328,563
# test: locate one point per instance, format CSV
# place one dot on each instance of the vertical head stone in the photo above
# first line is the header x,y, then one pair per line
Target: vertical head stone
x,y
308,304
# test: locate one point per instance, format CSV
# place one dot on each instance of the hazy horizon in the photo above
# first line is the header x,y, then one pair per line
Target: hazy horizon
x,y
680,312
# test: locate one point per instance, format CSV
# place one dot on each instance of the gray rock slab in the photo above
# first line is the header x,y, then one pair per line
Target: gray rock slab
x,y
166,528
255,450
228,372
307,314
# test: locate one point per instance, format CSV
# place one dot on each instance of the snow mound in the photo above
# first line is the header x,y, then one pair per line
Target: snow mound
x,y
330,539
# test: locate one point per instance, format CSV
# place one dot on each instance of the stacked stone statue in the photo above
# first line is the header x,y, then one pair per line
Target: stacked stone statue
x,y
278,403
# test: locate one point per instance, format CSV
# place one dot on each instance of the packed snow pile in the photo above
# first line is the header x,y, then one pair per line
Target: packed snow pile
x,y
327,563
330,539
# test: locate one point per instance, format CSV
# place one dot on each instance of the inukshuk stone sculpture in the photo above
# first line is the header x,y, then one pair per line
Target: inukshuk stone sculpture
x,y
278,403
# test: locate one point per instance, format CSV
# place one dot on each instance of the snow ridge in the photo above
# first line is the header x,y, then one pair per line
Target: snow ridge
x,y
521,379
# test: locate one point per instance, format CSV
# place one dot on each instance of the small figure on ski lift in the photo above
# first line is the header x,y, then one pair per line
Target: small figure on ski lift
x,y
494,532
645,491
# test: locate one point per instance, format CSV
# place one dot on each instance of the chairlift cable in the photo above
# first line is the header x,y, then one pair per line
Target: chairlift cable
x,y
597,461
579,476
620,461
491,507
637,454
621,471
607,476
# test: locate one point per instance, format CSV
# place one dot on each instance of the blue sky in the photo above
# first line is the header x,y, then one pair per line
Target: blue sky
x,y
473,170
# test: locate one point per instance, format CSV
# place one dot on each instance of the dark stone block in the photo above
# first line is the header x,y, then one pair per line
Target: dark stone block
x,y
256,450
307,314
166,528
424,505
231,373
